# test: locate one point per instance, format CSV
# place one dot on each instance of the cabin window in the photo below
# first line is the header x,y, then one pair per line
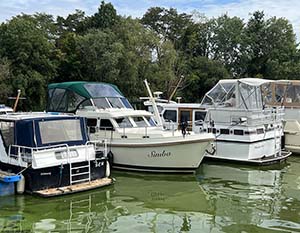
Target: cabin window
x,y
58,100
115,102
199,116
238,132
7,130
260,131
214,130
170,115
139,121
91,124
159,108
151,121
69,130
101,103
105,124
224,131
126,103
73,101
124,122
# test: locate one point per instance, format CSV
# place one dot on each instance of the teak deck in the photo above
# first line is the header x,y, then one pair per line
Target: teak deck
x,y
74,188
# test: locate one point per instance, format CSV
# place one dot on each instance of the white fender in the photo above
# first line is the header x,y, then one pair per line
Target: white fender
x,y
21,185
107,170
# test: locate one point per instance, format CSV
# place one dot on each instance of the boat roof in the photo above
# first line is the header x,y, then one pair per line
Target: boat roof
x,y
33,115
89,89
113,113
247,81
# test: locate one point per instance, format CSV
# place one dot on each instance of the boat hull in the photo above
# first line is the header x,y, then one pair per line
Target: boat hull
x,y
182,155
55,176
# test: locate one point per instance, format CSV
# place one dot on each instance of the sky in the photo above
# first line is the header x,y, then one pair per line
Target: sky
x,y
288,9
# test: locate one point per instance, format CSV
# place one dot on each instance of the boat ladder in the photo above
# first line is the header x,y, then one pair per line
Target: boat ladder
x,y
80,172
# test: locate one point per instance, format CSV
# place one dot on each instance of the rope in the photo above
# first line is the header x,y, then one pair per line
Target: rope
x,y
20,172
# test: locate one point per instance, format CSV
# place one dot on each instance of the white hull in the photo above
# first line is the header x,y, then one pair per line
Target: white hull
x,y
175,154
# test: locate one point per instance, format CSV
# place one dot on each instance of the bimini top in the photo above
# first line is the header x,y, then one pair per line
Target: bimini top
x,y
247,93
70,96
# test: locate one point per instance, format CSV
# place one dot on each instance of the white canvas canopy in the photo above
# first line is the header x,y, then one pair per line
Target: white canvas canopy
x,y
247,93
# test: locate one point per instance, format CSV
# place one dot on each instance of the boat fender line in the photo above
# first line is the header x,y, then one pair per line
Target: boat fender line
x,y
107,169
213,150
20,186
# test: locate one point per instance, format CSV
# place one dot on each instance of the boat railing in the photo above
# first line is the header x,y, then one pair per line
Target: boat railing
x,y
250,117
100,147
25,153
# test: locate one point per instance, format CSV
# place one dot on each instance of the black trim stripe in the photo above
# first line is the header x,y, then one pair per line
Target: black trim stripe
x,y
154,169
243,142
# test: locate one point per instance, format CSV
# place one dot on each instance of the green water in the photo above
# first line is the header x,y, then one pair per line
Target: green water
x,y
219,198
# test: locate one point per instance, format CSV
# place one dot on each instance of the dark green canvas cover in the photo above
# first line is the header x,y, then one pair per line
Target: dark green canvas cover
x,y
68,96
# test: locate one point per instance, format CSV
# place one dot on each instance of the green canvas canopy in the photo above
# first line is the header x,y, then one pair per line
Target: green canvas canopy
x,y
69,96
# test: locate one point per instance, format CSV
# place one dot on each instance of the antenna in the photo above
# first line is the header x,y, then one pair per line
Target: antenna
x,y
175,89
155,109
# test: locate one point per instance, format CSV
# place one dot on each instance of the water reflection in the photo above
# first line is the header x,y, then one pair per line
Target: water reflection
x,y
249,198
220,198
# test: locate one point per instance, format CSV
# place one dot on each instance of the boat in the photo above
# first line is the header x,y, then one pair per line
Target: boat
x,y
5,109
246,129
135,141
52,153
286,93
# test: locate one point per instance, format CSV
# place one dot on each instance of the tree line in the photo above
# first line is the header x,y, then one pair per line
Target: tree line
x,y
163,46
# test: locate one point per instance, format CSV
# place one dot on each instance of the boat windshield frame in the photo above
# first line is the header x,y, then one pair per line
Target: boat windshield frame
x,y
238,94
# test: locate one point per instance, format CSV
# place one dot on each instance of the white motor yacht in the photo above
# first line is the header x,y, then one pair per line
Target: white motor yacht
x,y
246,129
235,111
135,141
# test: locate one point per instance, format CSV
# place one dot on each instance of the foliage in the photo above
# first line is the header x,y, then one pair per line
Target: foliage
x,y
162,47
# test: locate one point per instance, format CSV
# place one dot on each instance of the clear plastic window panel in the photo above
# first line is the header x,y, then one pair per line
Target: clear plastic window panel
x,y
219,94
115,102
58,100
279,93
101,103
250,97
292,94
124,122
57,131
7,131
151,121
73,101
101,90
139,121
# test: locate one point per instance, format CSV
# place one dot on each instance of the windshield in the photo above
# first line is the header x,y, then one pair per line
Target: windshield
x,y
139,121
69,130
124,122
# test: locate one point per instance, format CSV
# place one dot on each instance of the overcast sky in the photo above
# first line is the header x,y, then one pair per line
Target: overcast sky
x,y
288,9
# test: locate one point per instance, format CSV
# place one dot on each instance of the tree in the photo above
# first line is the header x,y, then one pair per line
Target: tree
x,y
167,23
5,80
29,47
106,17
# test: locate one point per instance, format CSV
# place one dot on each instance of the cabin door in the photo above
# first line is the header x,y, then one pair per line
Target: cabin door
x,y
185,115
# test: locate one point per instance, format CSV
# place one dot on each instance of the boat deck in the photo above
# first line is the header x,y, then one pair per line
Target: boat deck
x,y
74,188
